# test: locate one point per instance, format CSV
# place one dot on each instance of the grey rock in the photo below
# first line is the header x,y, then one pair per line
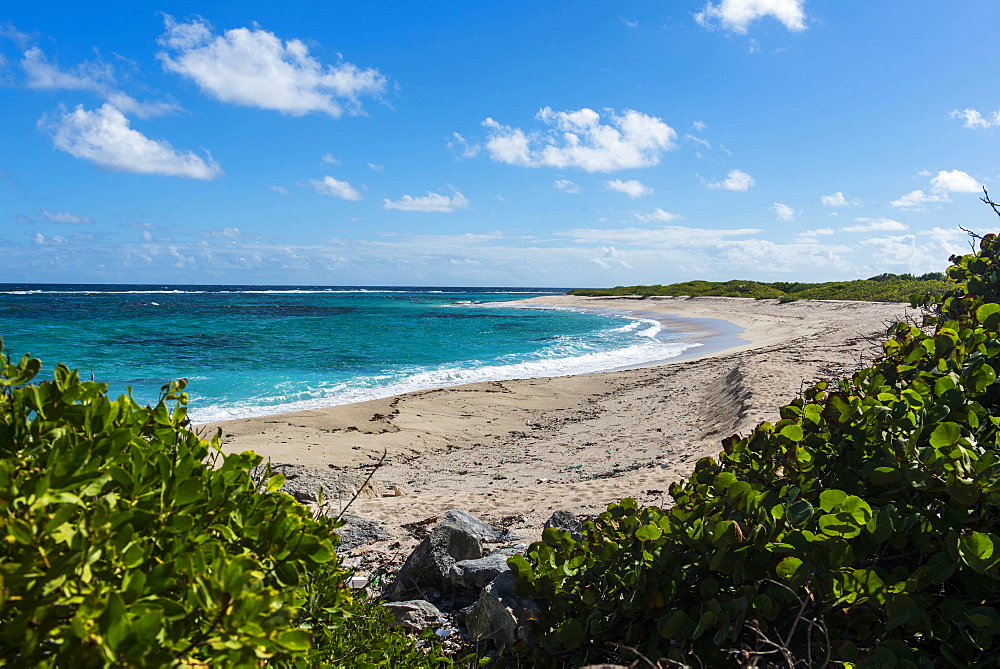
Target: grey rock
x,y
458,537
501,615
358,531
474,526
475,574
415,615
306,484
565,520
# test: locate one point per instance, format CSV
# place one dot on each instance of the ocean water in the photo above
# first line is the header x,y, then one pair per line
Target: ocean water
x,y
259,350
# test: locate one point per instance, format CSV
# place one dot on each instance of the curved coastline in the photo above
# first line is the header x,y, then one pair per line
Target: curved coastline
x,y
522,448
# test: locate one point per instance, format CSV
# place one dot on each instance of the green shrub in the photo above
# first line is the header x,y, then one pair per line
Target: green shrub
x,y
862,529
127,540
881,288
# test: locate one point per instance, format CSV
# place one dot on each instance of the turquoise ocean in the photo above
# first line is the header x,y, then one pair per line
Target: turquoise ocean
x,y
259,350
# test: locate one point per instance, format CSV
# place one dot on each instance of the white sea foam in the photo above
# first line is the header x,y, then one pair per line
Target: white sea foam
x,y
553,361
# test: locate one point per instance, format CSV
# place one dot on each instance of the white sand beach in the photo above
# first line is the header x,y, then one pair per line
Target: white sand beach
x,y
514,451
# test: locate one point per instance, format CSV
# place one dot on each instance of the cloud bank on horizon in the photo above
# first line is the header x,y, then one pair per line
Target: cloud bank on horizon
x,y
317,144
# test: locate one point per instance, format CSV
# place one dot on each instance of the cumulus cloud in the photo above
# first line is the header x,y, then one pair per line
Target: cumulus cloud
x,y
97,78
65,217
104,137
918,199
973,119
281,190
632,187
924,251
566,186
865,224
378,169
700,126
579,139
737,15
658,216
783,212
330,159
838,200
432,202
255,68
54,240
955,181
330,186
736,180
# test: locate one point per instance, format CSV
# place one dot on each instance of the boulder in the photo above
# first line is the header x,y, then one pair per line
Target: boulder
x,y
458,537
358,531
306,484
415,615
501,615
565,520
476,574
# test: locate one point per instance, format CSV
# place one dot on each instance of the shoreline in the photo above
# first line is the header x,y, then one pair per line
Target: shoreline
x,y
511,452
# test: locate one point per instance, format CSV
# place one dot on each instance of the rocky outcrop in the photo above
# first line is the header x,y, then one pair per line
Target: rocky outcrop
x,y
415,615
458,537
501,615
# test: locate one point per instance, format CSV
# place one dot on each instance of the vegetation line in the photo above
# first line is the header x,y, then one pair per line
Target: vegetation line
x,y
881,288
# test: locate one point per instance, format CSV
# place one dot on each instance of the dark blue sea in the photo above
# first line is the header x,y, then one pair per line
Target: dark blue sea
x,y
257,350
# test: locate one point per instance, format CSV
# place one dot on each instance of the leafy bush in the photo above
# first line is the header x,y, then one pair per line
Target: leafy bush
x,y
130,541
881,288
861,529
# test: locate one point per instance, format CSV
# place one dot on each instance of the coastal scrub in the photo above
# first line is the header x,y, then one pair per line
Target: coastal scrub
x,y
129,540
862,529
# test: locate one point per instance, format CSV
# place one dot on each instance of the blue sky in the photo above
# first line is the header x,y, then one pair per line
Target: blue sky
x,y
520,144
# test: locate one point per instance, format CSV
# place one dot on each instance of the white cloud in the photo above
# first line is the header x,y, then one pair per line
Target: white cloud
x,y
432,202
810,236
226,233
918,199
632,187
103,136
579,139
610,256
838,200
736,180
736,15
462,147
97,78
330,186
700,126
874,225
54,240
279,189
783,212
566,186
924,251
378,169
628,23
255,68
674,236
973,119
330,158
955,181
658,216
65,217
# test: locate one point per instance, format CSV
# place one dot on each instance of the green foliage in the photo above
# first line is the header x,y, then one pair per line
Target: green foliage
x,y
127,540
881,288
861,529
